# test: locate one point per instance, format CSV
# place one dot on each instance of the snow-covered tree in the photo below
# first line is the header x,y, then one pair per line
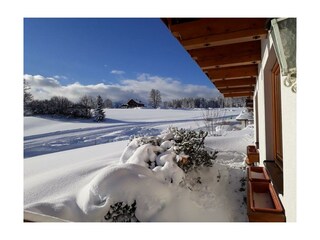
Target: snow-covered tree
x,y
155,98
27,98
107,103
99,114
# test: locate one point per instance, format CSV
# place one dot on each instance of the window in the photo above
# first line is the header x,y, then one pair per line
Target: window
x,y
277,123
256,113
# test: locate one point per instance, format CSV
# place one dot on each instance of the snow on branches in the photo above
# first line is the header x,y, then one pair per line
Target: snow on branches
x,y
185,148
152,162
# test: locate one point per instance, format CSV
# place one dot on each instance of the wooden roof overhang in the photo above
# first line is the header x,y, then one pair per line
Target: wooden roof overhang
x,y
228,50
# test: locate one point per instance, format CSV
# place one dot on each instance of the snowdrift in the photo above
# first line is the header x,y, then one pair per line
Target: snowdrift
x,y
84,184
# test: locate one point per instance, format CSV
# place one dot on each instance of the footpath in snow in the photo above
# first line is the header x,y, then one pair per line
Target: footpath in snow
x,y
43,135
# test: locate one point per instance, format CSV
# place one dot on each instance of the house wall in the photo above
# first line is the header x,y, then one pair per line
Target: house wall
x,y
288,105
263,92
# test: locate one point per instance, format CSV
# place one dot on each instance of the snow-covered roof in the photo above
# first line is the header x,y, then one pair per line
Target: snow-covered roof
x,y
245,115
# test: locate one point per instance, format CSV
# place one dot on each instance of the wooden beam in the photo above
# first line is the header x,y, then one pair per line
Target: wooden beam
x,y
224,39
209,32
221,51
215,26
233,72
241,94
228,55
235,82
228,62
235,90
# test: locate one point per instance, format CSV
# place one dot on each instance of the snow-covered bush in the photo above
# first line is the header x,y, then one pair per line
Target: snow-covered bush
x,y
145,155
185,149
167,169
189,145
121,212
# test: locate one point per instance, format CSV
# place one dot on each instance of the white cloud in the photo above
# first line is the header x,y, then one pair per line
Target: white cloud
x,y
60,77
40,81
118,72
139,88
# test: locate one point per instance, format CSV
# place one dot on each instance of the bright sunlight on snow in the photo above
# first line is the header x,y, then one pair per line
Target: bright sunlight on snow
x,y
79,170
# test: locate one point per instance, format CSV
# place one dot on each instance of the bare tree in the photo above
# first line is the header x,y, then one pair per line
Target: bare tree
x,y
59,105
213,118
155,98
87,103
107,103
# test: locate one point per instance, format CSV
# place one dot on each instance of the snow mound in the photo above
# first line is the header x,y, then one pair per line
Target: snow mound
x,y
124,183
130,149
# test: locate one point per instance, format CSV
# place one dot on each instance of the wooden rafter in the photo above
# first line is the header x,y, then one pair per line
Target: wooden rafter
x,y
228,50
233,72
219,31
228,55
215,26
235,82
221,51
237,89
241,94
225,38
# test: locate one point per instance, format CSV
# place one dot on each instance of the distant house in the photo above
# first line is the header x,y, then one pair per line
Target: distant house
x,y
132,104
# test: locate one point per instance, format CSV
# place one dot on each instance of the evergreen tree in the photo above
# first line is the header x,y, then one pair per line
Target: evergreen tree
x,y
99,115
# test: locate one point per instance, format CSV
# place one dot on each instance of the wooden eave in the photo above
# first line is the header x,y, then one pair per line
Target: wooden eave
x,y
239,82
228,50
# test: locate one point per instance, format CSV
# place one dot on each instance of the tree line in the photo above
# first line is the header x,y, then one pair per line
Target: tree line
x,y
88,106
199,102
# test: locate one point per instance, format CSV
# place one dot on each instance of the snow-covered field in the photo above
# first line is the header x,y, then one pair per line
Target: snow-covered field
x,y
72,169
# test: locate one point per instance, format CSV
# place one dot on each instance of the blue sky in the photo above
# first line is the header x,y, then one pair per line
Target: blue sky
x,y
122,53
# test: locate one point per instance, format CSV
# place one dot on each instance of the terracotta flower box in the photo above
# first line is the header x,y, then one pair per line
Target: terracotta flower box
x,y
253,154
258,174
263,203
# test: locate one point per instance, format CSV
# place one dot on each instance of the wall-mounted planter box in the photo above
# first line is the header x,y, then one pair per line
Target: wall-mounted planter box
x,y
253,154
258,174
263,203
